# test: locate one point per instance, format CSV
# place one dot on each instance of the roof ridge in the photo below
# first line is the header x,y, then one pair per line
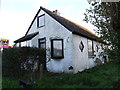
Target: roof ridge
x,y
70,25
81,26
78,25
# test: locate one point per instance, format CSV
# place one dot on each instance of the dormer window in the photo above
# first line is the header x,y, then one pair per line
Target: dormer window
x,y
41,21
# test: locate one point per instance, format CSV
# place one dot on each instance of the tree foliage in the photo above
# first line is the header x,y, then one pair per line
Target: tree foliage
x,y
106,17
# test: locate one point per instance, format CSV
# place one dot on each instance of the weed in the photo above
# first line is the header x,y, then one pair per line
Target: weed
x,y
102,76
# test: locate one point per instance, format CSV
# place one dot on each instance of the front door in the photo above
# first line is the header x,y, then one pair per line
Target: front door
x,y
42,44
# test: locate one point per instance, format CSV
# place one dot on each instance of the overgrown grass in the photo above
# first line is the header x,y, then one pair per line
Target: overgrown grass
x,y
9,83
103,76
0,82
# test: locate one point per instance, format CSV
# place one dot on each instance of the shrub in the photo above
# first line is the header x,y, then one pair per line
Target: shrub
x,y
14,59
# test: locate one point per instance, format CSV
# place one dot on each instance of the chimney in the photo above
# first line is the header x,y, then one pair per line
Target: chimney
x,y
56,12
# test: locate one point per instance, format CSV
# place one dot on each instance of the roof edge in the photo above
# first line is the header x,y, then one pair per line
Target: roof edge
x,y
26,37
93,36
33,21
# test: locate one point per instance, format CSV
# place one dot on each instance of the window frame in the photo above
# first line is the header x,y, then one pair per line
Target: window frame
x,y
41,42
52,49
29,43
97,48
38,23
81,46
90,55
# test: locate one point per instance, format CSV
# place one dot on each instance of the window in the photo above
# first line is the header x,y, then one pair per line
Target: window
x,y
42,43
97,48
23,44
41,21
81,46
57,49
29,43
90,48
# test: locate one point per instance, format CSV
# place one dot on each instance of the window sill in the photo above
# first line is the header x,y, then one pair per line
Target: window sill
x,y
91,56
57,57
41,26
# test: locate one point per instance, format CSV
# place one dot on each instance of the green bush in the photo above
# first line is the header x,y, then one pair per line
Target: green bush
x,y
14,57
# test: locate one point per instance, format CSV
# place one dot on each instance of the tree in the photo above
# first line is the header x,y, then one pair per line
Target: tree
x,y
106,17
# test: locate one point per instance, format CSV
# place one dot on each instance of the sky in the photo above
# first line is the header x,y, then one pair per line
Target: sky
x,y
17,15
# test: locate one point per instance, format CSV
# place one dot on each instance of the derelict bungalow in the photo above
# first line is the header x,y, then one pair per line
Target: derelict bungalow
x,y
69,46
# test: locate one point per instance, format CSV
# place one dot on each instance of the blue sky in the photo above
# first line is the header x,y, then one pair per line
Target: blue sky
x,y
16,15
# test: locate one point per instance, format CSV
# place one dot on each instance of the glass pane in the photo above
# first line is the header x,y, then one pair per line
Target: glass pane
x,y
29,44
23,44
81,46
42,45
57,45
90,48
42,40
89,45
41,21
96,48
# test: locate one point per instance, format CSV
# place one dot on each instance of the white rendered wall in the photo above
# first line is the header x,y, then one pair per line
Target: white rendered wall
x,y
72,54
54,30
81,60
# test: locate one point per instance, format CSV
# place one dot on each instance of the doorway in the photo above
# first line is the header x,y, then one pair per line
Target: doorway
x,y
42,44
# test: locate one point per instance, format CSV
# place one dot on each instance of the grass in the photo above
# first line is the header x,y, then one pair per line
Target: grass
x,y
9,83
103,76
0,82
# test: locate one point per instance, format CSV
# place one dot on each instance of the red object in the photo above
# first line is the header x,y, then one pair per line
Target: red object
x,y
4,46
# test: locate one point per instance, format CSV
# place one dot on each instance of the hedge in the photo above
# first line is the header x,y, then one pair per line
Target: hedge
x,y
13,58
